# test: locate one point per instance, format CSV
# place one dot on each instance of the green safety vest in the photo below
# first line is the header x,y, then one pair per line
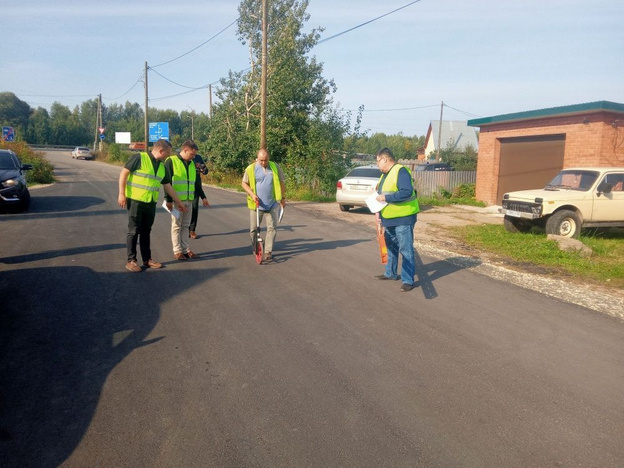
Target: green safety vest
x,y
143,185
402,209
183,181
277,187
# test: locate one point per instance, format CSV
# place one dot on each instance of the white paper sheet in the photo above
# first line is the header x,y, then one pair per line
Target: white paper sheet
x,y
174,211
373,204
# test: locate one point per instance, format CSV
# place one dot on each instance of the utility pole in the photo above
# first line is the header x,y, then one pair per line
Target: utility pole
x,y
145,139
97,123
263,80
210,101
100,119
440,130
192,123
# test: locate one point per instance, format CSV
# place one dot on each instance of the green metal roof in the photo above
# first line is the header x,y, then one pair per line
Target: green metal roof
x,y
588,107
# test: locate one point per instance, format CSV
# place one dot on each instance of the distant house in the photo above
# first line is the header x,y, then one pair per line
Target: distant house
x,y
525,150
454,134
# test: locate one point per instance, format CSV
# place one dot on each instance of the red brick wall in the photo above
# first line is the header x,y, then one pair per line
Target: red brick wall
x,y
591,140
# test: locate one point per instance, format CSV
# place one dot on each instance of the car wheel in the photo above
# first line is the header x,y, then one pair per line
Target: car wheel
x,y
25,201
516,224
345,207
564,223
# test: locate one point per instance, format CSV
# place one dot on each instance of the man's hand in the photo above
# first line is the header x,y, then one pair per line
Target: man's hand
x,y
182,207
381,197
205,202
169,205
121,200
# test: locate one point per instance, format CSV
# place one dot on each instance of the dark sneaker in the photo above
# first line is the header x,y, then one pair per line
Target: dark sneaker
x,y
384,278
152,264
133,266
406,287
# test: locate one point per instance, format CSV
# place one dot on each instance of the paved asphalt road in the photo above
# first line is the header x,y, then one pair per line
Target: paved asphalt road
x,y
304,362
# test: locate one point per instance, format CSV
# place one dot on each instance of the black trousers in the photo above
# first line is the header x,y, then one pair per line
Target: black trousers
x,y
194,214
141,217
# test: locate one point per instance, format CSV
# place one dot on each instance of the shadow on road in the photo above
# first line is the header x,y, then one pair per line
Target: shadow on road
x,y
58,345
427,274
60,253
291,247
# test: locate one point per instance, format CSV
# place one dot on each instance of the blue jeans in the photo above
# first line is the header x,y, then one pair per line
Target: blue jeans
x,y
400,240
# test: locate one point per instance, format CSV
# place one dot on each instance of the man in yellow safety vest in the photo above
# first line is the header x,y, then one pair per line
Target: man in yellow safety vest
x,y
397,217
139,183
187,184
264,183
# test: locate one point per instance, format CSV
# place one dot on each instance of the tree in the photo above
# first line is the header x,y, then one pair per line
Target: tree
x,y
39,131
14,112
304,132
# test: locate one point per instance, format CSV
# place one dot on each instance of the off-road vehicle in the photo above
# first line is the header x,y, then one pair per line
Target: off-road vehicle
x,y
576,198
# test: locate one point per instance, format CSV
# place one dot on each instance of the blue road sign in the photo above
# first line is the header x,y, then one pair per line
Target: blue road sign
x,y
158,131
8,133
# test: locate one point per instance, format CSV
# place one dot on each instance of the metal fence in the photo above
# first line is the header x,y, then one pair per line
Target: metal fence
x,y
427,183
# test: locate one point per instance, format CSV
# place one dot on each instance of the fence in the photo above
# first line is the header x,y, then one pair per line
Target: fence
x,y
428,183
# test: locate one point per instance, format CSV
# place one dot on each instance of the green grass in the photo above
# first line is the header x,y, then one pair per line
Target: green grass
x,y
605,266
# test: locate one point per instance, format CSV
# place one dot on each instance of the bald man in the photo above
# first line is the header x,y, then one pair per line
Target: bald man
x,y
263,181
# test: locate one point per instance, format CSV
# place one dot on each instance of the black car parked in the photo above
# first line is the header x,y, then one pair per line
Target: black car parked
x,y
14,193
434,167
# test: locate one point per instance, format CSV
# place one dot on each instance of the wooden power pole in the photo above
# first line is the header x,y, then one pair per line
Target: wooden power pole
x,y
263,82
145,138
440,131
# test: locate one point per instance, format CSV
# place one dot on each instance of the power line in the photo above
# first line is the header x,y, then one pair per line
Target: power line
x,y
139,80
364,24
195,48
177,84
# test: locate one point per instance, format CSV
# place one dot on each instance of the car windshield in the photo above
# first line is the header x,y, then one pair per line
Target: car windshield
x,y
573,180
82,149
371,172
6,161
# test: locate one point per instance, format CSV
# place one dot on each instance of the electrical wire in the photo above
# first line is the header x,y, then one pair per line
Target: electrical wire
x,y
364,24
200,45
139,80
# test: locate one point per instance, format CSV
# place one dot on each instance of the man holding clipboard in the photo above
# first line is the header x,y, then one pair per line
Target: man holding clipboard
x,y
398,210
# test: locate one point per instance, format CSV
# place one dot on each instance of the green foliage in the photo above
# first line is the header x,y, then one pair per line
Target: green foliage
x,y
115,154
461,195
605,266
403,147
304,132
461,160
42,171
14,112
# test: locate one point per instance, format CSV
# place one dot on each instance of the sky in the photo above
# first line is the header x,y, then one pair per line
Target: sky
x,y
480,57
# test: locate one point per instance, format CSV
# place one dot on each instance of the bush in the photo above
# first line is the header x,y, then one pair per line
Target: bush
x,y
42,171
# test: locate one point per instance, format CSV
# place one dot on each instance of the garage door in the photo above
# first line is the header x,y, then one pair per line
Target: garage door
x,y
529,162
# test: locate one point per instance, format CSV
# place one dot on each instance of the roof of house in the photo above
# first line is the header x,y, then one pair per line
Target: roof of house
x,y
457,133
575,109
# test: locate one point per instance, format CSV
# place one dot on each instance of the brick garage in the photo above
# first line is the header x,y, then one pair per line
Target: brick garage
x,y
525,150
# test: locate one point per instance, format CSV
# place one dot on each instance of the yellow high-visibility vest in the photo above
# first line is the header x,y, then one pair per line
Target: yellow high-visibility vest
x,y
397,210
183,183
277,187
143,185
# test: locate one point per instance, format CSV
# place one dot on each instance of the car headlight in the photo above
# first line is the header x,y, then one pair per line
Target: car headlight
x,y
10,183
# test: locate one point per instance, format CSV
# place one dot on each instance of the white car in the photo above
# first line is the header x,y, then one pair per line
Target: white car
x,y
81,152
354,188
576,198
